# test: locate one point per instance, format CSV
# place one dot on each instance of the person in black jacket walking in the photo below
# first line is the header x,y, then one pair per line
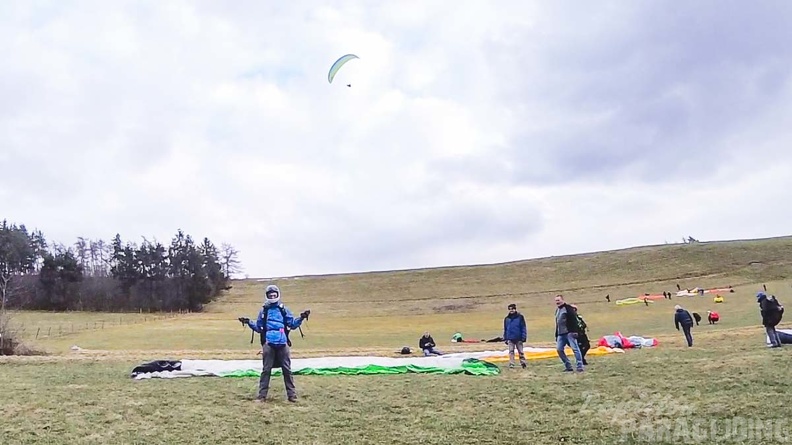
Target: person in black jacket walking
x,y
772,312
583,341
683,317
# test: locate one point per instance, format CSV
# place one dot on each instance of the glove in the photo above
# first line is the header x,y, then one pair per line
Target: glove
x,y
305,314
244,320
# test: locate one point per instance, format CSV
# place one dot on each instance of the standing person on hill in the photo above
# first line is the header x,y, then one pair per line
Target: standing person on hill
x,y
683,317
772,312
515,333
273,324
567,330
583,340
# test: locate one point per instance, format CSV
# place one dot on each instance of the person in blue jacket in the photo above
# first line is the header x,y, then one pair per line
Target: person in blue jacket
x,y
273,324
515,333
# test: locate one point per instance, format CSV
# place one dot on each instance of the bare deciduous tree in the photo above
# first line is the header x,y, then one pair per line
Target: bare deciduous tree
x,y
229,258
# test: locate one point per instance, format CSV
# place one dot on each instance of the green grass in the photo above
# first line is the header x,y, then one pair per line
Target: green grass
x,y
725,375
47,325
87,397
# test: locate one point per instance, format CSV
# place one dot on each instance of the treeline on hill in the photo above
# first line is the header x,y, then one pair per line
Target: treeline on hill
x,y
93,275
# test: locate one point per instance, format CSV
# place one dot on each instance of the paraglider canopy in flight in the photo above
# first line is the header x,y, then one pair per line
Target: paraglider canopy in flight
x,y
338,64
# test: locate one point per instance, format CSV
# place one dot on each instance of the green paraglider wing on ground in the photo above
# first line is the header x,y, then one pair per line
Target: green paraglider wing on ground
x,y
469,366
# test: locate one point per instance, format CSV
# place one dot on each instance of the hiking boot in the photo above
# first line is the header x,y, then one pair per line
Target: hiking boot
x,y
523,365
568,370
260,400
293,399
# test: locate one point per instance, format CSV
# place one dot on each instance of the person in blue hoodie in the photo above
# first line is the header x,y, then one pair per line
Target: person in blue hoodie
x,y
273,324
515,333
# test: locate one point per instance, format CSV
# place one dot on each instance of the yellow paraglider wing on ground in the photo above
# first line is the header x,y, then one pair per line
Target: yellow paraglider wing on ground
x,y
545,353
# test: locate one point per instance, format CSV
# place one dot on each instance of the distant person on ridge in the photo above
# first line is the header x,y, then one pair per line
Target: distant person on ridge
x,y
515,333
682,317
567,330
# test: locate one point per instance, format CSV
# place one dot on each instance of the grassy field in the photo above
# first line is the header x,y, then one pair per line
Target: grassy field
x,y
87,396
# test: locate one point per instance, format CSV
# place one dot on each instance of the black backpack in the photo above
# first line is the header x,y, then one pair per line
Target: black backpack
x,y
773,306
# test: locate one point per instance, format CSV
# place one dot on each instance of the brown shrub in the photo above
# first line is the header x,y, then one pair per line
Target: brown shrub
x,y
10,339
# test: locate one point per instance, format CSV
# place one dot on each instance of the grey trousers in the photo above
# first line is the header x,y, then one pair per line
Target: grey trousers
x,y
775,340
519,345
276,355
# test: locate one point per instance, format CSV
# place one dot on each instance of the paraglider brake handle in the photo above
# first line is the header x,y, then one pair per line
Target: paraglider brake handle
x,y
305,314
243,320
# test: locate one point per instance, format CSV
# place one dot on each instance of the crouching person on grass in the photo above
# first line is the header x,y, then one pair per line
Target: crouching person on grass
x,y
428,346
566,333
273,324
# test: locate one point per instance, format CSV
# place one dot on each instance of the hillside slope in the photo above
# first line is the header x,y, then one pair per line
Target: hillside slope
x,y
654,269
355,312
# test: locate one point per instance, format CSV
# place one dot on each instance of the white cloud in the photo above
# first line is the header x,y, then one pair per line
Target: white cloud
x,y
472,132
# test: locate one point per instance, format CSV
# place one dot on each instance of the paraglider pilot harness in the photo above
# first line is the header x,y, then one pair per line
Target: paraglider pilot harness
x,y
286,329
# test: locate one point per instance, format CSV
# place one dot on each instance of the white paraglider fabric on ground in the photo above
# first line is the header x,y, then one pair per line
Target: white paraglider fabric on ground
x,y
481,364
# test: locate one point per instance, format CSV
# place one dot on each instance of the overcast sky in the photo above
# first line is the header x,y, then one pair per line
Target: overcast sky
x,y
473,132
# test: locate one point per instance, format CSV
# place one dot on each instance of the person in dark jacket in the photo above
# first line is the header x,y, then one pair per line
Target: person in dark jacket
x,y
583,340
683,318
567,330
772,312
427,345
697,317
515,333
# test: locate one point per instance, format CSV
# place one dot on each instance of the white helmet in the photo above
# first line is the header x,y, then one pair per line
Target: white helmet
x,y
272,294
